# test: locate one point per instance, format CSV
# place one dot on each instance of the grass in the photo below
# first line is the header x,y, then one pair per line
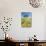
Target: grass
x,y
26,22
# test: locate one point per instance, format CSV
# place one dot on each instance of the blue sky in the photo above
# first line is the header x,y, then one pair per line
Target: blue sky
x,y
26,14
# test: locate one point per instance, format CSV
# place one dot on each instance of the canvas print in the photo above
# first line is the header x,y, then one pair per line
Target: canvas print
x,y
26,19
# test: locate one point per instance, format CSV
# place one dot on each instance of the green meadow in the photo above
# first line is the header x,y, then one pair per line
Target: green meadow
x,y
26,22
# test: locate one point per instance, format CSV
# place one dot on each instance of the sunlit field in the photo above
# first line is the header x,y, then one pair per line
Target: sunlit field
x,y
26,22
